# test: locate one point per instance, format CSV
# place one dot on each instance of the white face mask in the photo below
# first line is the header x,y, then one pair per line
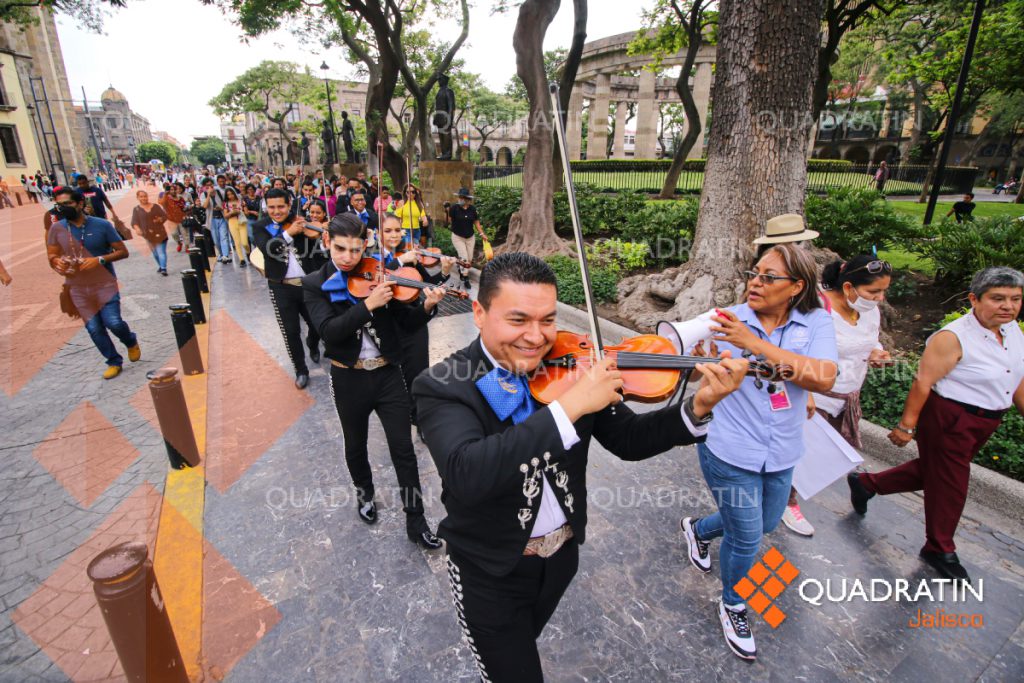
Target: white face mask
x,y
862,305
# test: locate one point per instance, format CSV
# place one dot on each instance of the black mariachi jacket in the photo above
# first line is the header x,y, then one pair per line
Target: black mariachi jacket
x,y
342,324
491,469
275,250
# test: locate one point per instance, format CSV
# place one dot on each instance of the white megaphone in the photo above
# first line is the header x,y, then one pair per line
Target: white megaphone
x,y
687,334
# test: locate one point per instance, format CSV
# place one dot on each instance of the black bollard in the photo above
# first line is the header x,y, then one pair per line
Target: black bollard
x,y
190,283
200,265
136,615
185,334
204,248
172,413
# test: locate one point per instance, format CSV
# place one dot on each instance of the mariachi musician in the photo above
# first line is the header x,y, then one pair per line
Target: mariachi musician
x,y
362,340
285,244
514,473
415,345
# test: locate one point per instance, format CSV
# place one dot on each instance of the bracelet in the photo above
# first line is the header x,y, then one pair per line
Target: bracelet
x,y
901,428
697,421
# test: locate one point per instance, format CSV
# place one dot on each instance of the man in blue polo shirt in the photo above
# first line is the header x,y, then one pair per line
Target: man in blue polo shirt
x,y
83,248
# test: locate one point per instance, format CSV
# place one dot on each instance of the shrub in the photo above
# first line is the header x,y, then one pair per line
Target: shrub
x,y
959,250
882,398
666,228
854,220
570,284
496,204
902,286
617,255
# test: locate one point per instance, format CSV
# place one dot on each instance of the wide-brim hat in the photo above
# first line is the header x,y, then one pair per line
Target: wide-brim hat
x,y
463,192
789,227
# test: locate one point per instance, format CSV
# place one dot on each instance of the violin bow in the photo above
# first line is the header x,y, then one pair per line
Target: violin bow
x,y
380,243
581,252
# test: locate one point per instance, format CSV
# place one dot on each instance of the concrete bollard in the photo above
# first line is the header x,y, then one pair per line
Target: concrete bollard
x,y
200,265
190,283
185,334
136,616
172,414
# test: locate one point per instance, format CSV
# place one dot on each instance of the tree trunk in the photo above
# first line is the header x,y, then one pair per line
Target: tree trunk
x,y
693,127
1020,193
567,79
532,228
757,155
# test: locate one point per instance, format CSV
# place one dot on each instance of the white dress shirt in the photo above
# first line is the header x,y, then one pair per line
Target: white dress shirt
x,y
294,267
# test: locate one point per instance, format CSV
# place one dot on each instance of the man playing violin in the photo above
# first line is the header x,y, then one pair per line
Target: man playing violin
x,y
514,473
362,338
286,244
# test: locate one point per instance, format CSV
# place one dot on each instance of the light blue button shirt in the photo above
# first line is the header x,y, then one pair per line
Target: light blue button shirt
x,y
746,432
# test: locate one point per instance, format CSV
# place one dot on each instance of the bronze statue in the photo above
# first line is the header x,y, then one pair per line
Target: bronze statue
x,y
328,144
348,133
304,149
444,117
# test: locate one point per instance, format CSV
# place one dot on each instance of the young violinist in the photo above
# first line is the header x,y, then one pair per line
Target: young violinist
x,y
415,345
514,472
286,243
362,338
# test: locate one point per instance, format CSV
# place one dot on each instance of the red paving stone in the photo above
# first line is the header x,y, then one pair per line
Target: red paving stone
x,y
252,402
235,614
85,453
62,616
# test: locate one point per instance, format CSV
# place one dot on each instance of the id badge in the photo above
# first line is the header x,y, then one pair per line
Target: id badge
x,y
779,399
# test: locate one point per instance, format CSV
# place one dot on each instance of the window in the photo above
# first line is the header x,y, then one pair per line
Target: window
x,y
231,133
11,146
4,100
111,122
234,147
293,115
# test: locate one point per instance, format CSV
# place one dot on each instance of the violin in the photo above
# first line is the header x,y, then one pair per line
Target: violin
x,y
649,364
407,281
430,257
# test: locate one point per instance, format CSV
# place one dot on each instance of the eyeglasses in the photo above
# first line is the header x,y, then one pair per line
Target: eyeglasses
x,y
874,267
766,278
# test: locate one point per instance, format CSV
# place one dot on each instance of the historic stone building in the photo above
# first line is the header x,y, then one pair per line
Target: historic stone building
x,y
115,128
232,132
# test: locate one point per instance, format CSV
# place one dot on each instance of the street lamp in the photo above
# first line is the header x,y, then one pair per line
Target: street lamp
x,y
330,114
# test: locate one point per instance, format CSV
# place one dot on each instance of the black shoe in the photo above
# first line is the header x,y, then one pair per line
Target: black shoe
x,y
859,496
243,264
946,564
163,272
368,512
314,355
466,284
301,380
420,534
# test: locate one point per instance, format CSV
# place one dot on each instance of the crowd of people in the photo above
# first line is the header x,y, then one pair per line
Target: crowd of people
x,y
513,469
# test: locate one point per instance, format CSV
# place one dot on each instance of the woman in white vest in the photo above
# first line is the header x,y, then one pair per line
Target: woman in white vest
x,y
971,374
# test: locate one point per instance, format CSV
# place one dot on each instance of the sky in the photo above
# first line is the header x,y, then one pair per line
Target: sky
x,y
169,57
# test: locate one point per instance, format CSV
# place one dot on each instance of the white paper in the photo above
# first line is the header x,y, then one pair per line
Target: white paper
x,y
827,457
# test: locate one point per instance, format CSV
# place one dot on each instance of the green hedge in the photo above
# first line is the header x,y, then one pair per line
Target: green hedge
x,y
959,250
882,398
853,220
603,280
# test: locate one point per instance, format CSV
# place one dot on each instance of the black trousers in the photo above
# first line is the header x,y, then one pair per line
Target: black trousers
x,y
356,394
415,359
502,616
289,307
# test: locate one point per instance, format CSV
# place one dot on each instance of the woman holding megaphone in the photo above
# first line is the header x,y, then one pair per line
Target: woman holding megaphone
x,y
756,437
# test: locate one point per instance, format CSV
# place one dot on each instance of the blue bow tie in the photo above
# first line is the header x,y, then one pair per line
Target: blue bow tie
x,y
507,393
274,229
336,287
363,216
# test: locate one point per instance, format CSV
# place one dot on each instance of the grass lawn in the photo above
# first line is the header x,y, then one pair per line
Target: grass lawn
x,y
982,210
905,260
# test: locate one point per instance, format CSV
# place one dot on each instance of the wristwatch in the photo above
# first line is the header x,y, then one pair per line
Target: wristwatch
x,y
696,421
103,261
901,428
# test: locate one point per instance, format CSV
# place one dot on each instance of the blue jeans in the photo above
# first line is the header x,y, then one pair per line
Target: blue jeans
x,y
100,306
221,236
750,504
160,254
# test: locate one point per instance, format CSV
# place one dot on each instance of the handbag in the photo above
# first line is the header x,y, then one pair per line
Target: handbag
x,y
67,304
122,230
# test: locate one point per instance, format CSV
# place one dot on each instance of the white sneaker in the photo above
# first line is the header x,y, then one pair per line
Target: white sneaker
x,y
737,633
795,520
700,557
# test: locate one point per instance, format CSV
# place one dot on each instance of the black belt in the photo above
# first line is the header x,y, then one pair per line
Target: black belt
x,y
975,410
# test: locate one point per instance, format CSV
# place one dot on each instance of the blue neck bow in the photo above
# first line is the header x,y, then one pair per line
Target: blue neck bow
x,y
507,393
274,229
336,287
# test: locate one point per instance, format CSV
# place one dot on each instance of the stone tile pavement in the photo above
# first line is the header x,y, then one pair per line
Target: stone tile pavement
x,y
298,589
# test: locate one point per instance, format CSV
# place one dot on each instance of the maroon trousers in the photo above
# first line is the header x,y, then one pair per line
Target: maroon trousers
x,y
948,438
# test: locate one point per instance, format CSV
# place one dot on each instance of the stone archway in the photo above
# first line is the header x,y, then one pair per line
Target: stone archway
x,y
504,157
486,154
858,155
886,153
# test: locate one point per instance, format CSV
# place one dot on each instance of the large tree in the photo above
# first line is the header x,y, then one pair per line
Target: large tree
x,y
672,26
757,154
164,151
208,151
273,89
88,14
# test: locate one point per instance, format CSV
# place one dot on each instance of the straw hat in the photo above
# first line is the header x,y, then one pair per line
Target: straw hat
x,y
789,227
